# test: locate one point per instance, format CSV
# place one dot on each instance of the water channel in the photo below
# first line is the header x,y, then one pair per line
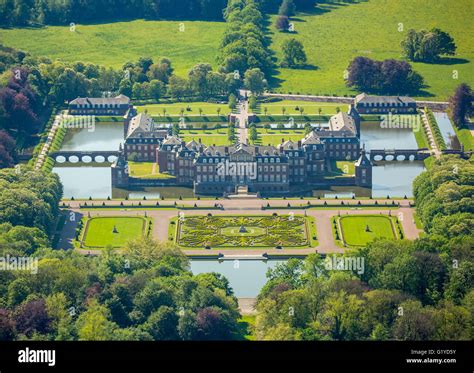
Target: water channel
x,y
389,178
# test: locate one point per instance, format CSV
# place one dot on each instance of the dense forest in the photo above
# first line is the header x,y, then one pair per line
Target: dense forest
x,y
420,290
147,293
50,12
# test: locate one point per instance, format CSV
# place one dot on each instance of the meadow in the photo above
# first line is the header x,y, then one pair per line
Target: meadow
x,y
113,44
333,34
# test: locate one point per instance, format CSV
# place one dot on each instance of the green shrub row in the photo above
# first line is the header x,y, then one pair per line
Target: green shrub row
x,y
436,131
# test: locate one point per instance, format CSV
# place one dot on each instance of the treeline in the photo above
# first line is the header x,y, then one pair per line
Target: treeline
x,y
405,290
148,80
27,12
148,294
29,199
30,86
383,77
244,46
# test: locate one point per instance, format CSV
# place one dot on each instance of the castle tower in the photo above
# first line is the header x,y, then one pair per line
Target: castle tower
x,y
363,170
120,172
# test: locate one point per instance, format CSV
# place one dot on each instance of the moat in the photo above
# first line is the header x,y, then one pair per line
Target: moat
x,y
83,181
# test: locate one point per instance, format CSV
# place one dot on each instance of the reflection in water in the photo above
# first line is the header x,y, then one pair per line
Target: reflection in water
x,y
447,131
395,178
246,277
376,137
389,178
85,182
105,136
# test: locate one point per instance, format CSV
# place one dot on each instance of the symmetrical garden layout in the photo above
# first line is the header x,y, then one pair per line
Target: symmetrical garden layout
x,y
289,231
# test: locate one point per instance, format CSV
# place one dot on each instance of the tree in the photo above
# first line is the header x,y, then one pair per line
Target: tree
x,y
232,101
93,324
287,8
388,76
213,323
428,45
253,135
460,104
415,323
178,87
293,53
198,79
255,81
156,89
7,150
32,317
162,324
282,23
253,103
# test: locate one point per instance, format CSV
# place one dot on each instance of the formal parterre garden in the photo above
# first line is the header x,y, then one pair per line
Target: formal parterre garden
x,y
237,232
362,229
99,232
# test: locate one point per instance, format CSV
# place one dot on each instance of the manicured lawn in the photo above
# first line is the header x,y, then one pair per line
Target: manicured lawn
x,y
146,170
208,137
333,34
99,232
355,233
465,137
190,109
342,168
310,108
246,325
113,44
259,232
421,139
275,136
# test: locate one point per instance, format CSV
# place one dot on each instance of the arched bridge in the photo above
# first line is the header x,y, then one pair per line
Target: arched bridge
x,y
85,156
399,154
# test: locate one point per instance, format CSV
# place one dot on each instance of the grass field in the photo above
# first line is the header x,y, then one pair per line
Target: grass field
x,y
275,136
208,137
333,34
465,137
113,44
310,108
99,232
355,233
146,170
188,108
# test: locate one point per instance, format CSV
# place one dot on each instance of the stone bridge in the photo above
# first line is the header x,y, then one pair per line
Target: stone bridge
x,y
85,156
399,154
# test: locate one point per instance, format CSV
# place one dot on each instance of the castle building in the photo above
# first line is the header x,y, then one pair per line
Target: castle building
x,y
363,171
218,170
142,138
366,104
100,106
